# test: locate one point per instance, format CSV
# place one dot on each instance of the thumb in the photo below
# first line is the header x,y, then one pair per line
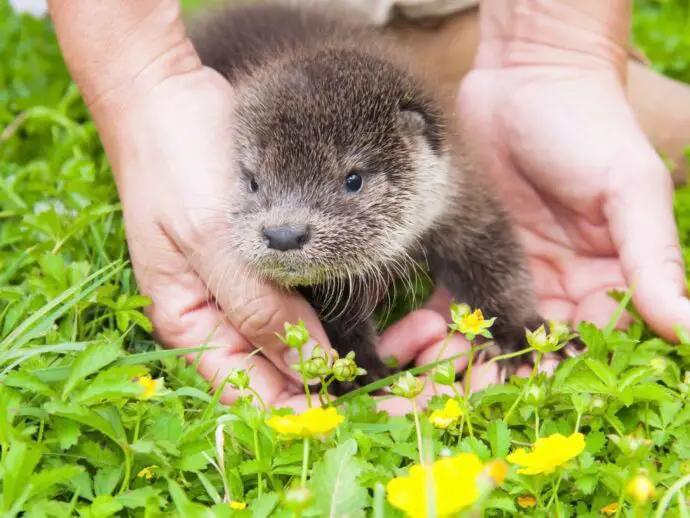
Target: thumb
x,y
255,307
639,209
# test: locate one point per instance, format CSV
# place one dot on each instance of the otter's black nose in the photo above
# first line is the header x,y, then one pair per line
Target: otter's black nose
x,y
286,238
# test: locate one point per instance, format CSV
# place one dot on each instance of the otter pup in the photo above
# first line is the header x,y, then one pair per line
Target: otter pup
x,y
350,173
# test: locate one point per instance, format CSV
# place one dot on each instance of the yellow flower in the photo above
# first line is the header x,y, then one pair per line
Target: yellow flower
x,y
147,472
315,421
455,484
151,386
548,453
238,506
444,418
641,488
609,510
526,501
497,471
474,323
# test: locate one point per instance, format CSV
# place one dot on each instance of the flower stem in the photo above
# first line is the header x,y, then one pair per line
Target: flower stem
x,y
304,379
465,412
468,378
257,454
525,389
508,356
305,461
419,430
256,394
555,492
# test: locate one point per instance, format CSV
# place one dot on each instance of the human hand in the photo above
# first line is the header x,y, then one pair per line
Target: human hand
x,y
591,199
173,171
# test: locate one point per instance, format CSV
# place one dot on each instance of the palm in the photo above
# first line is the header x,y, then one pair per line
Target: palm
x,y
555,147
590,198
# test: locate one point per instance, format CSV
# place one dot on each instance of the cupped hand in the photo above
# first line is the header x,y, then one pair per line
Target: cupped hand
x,y
590,197
170,150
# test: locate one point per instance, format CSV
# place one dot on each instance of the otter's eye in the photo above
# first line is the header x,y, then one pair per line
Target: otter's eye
x,y
253,186
353,183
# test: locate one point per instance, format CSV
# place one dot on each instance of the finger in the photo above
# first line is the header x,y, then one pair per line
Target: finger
x,y
639,208
457,345
598,308
405,339
483,376
183,316
256,307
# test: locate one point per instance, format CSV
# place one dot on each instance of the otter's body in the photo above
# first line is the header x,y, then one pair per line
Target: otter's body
x,y
350,173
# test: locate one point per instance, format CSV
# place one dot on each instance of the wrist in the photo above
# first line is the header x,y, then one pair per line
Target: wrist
x,y
588,33
116,50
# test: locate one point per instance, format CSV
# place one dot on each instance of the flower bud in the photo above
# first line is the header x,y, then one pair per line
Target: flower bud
x,y
238,378
541,340
407,386
317,366
296,336
457,311
641,488
444,374
535,395
558,331
658,364
298,498
597,406
345,369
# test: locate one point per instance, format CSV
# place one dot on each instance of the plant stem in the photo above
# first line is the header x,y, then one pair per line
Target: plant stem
x,y
666,500
419,430
619,504
525,389
305,461
555,492
304,379
468,378
465,412
256,394
257,454
508,356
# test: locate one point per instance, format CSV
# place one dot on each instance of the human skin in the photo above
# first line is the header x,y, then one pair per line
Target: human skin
x,y
165,121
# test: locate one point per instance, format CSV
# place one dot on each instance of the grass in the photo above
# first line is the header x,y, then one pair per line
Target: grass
x,y
86,431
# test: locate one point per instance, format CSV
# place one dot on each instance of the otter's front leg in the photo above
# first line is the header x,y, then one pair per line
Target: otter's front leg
x,y
484,266
348,330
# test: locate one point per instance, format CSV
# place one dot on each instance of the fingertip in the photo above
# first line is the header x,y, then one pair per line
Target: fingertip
x,y
415,332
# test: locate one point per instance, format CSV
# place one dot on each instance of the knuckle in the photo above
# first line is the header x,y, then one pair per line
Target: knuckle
x,y
259,318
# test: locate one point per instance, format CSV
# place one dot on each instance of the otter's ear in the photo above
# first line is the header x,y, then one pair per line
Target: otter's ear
x,y
412,122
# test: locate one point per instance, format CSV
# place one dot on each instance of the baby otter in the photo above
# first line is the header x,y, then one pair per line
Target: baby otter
x,y
350,174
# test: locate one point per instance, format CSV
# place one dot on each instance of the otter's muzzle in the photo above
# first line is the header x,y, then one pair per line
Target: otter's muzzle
x,y
286,238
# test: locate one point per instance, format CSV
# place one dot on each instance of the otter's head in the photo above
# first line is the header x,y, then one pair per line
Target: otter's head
x,y
342,166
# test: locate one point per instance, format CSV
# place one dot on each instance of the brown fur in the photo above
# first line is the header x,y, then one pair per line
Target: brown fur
x,y
318,98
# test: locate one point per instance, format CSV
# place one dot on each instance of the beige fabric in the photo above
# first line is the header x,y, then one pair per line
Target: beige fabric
x,y
380,12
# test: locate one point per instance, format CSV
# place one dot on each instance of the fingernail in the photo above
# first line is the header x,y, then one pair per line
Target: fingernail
x,y
291,358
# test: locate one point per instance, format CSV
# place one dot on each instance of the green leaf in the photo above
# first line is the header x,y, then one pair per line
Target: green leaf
x,y
499,438
501,502
603,372
67,431
263,506
19,463
634,376
185,507
334,480
91,360
104,506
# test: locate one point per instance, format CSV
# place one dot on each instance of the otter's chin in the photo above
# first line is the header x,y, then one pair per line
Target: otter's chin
x,y
291,276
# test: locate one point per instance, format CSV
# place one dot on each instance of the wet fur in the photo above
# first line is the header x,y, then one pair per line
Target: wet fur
x,y
317,97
